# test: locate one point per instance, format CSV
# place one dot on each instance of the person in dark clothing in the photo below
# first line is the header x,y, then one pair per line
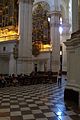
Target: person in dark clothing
x,y
59,79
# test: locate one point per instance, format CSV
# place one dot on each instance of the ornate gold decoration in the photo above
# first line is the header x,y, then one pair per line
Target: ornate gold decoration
x,y
36,49
41,28
8,20
9,33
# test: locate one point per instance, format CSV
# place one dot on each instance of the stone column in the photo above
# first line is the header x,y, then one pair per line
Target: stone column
x,y
79,13
75,19
25,34
55,39
72,90
63,37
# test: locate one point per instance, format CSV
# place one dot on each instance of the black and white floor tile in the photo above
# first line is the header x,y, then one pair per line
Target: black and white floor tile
x,y
35,102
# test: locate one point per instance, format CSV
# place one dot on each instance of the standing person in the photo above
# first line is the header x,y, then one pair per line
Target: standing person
x,y
59,79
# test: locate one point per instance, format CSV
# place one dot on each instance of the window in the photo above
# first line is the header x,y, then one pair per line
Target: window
x,y
4,48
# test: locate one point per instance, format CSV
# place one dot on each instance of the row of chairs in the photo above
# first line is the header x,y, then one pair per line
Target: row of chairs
x,y
28,79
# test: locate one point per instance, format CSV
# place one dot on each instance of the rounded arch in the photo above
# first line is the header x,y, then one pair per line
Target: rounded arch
x,y
43,3
41,26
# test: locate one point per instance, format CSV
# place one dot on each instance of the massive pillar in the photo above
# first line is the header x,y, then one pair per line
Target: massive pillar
x,y
25,36
55,39
79,12
72,91
75,20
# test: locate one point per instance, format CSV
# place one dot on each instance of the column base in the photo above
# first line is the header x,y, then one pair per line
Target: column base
x,y
24,65
71,95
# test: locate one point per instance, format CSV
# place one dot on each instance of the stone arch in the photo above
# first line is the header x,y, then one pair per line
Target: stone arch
x,y
40,19
44,3
41,25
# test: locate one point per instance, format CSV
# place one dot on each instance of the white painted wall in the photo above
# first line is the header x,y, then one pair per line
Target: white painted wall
x,y
5,57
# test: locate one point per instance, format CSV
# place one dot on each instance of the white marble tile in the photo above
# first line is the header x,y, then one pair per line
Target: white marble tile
x,y
49,114
28,117
42,119
5,110
25,108
13,97
22,103
43,107
20,98
5,104
6,95
15,113
4,118
36,111
49,103
13,101
38,102
14,106
32,105
29,100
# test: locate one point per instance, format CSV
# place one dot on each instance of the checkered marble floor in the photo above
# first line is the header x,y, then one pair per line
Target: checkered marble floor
x,y
35,102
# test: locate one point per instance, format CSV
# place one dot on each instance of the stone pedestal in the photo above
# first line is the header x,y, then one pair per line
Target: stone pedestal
x,y
72,91
12,65
55,40
25,33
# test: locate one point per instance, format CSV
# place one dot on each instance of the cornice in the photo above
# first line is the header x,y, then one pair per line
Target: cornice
x,y
75,34
74,40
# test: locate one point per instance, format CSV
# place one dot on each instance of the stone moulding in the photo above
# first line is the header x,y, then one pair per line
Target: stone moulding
x,y
74,40
75,34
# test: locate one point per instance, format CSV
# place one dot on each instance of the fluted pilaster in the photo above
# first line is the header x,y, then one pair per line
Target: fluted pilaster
x,y
25,36
55,39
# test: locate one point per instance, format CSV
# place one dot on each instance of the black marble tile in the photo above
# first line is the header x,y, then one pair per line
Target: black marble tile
x,y
75,117
16,118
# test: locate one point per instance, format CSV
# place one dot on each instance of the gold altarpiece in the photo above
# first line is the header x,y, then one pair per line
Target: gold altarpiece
x,y
8,20
9,24
41,28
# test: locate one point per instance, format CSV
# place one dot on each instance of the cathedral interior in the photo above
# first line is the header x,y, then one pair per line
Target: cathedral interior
x,y
41,30
39,60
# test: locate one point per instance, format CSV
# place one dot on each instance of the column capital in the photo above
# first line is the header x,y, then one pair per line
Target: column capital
x,y
54,13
